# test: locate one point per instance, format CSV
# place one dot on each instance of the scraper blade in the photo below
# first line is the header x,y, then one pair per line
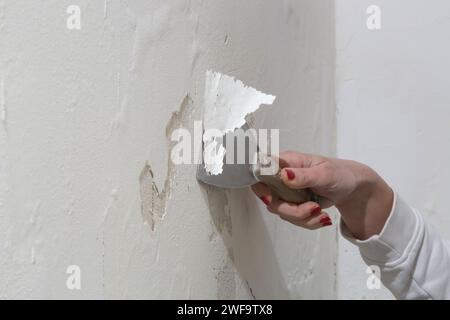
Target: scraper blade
x,y
233,175
240,175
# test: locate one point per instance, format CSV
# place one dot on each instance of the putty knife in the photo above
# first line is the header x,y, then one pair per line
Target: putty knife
x,y
246,174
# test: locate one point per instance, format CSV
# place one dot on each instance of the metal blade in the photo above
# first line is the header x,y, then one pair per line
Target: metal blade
x,y
234,175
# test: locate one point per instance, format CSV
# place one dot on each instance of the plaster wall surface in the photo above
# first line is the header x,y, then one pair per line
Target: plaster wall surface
x,y
85,177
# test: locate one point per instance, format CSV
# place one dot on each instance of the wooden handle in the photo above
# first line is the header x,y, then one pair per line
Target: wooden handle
x,y
285,193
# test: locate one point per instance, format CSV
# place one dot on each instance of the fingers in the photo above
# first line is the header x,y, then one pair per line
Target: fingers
x,y
307,215
312,223
301,178
292,210
263,192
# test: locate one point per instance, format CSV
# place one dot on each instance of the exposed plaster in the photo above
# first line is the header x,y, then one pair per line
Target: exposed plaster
x,y
153,201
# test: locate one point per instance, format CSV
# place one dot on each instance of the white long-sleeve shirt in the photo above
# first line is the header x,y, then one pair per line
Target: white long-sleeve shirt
x,y
413,259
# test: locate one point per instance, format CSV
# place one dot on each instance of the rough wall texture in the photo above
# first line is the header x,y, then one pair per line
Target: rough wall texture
x,y
84,174
392,100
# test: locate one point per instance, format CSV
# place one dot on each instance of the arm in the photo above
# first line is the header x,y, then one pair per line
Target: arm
x,y
413,259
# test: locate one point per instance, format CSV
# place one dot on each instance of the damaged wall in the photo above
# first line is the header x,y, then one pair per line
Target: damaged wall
x,y
84,174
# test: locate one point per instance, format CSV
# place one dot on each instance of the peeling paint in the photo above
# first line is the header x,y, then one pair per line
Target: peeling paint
x,y
227,102
153,201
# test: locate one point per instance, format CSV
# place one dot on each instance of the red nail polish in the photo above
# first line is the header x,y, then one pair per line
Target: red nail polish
x,y
265,199
316,210
325,219
290,174
325,224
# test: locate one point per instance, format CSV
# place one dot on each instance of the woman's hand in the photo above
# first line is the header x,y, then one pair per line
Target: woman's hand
x,y
362,197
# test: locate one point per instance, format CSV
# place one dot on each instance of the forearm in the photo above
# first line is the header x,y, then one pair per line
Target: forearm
x,y
366,210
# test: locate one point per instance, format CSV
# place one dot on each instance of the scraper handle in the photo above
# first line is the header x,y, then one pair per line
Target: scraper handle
x,y
278,188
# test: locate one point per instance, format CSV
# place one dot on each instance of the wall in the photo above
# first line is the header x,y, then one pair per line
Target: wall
x,y
392,104
84,172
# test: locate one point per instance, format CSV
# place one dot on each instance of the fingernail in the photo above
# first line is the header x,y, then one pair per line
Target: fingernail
x,y
325,219
316,210
290,174
265,199
325,224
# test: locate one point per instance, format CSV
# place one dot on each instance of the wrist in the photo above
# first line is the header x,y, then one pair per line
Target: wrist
x,y
367,208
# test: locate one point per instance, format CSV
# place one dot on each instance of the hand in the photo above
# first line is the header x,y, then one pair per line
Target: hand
x,y
362,197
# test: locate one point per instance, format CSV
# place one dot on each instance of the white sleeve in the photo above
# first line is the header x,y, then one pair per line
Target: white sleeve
x,y
413,259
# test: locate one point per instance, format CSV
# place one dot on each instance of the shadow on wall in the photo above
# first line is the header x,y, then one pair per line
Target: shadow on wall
x,y
239,222
236,218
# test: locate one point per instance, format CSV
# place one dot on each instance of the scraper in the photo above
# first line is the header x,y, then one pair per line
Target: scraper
x,y
241,175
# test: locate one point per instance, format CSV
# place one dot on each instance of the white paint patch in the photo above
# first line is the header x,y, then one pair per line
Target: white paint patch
x,y
227,102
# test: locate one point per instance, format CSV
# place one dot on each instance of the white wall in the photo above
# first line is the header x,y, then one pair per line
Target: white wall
x,y
85,110
393,98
